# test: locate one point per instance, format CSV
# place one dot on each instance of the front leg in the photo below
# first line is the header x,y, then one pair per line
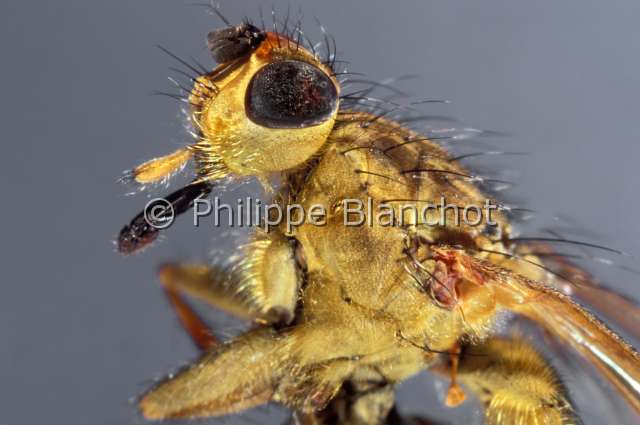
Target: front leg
x,y
270,276
263,286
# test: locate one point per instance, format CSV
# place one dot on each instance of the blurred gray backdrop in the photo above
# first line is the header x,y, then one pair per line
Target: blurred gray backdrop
x,y
85,330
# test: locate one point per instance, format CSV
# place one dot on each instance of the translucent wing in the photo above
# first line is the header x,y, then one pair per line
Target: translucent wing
x,y
575,281
563,317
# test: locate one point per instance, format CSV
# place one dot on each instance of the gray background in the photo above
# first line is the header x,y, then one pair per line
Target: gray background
x,y
83,330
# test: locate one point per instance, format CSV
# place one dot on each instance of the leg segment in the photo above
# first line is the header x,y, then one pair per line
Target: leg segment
x,y
264,287
206,284
455,394
244,372
235,376
191,321
515,383
217,287
270,277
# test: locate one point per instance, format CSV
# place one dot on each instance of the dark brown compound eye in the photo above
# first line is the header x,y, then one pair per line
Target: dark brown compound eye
x,y
290,94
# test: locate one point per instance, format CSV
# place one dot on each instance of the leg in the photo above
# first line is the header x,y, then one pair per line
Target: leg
x,y
515,383
244,372
455,394
270,276
191,321
235,376
208,284
212,285
263,286
199,282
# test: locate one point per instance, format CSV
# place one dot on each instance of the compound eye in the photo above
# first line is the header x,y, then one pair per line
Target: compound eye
x,y
290,94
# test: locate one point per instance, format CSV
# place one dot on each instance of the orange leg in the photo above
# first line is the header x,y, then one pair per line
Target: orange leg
x,y
197,329
455,394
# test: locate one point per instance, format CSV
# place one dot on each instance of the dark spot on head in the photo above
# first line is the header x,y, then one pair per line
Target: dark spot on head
x,y
290,94
228,44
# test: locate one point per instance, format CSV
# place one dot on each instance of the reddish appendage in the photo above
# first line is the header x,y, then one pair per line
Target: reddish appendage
x,y
443,285
450,269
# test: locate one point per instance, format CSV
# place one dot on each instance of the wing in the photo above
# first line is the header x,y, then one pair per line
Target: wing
x,y
563,317
575,281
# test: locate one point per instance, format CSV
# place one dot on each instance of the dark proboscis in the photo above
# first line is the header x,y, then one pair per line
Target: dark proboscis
x,y
139,233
